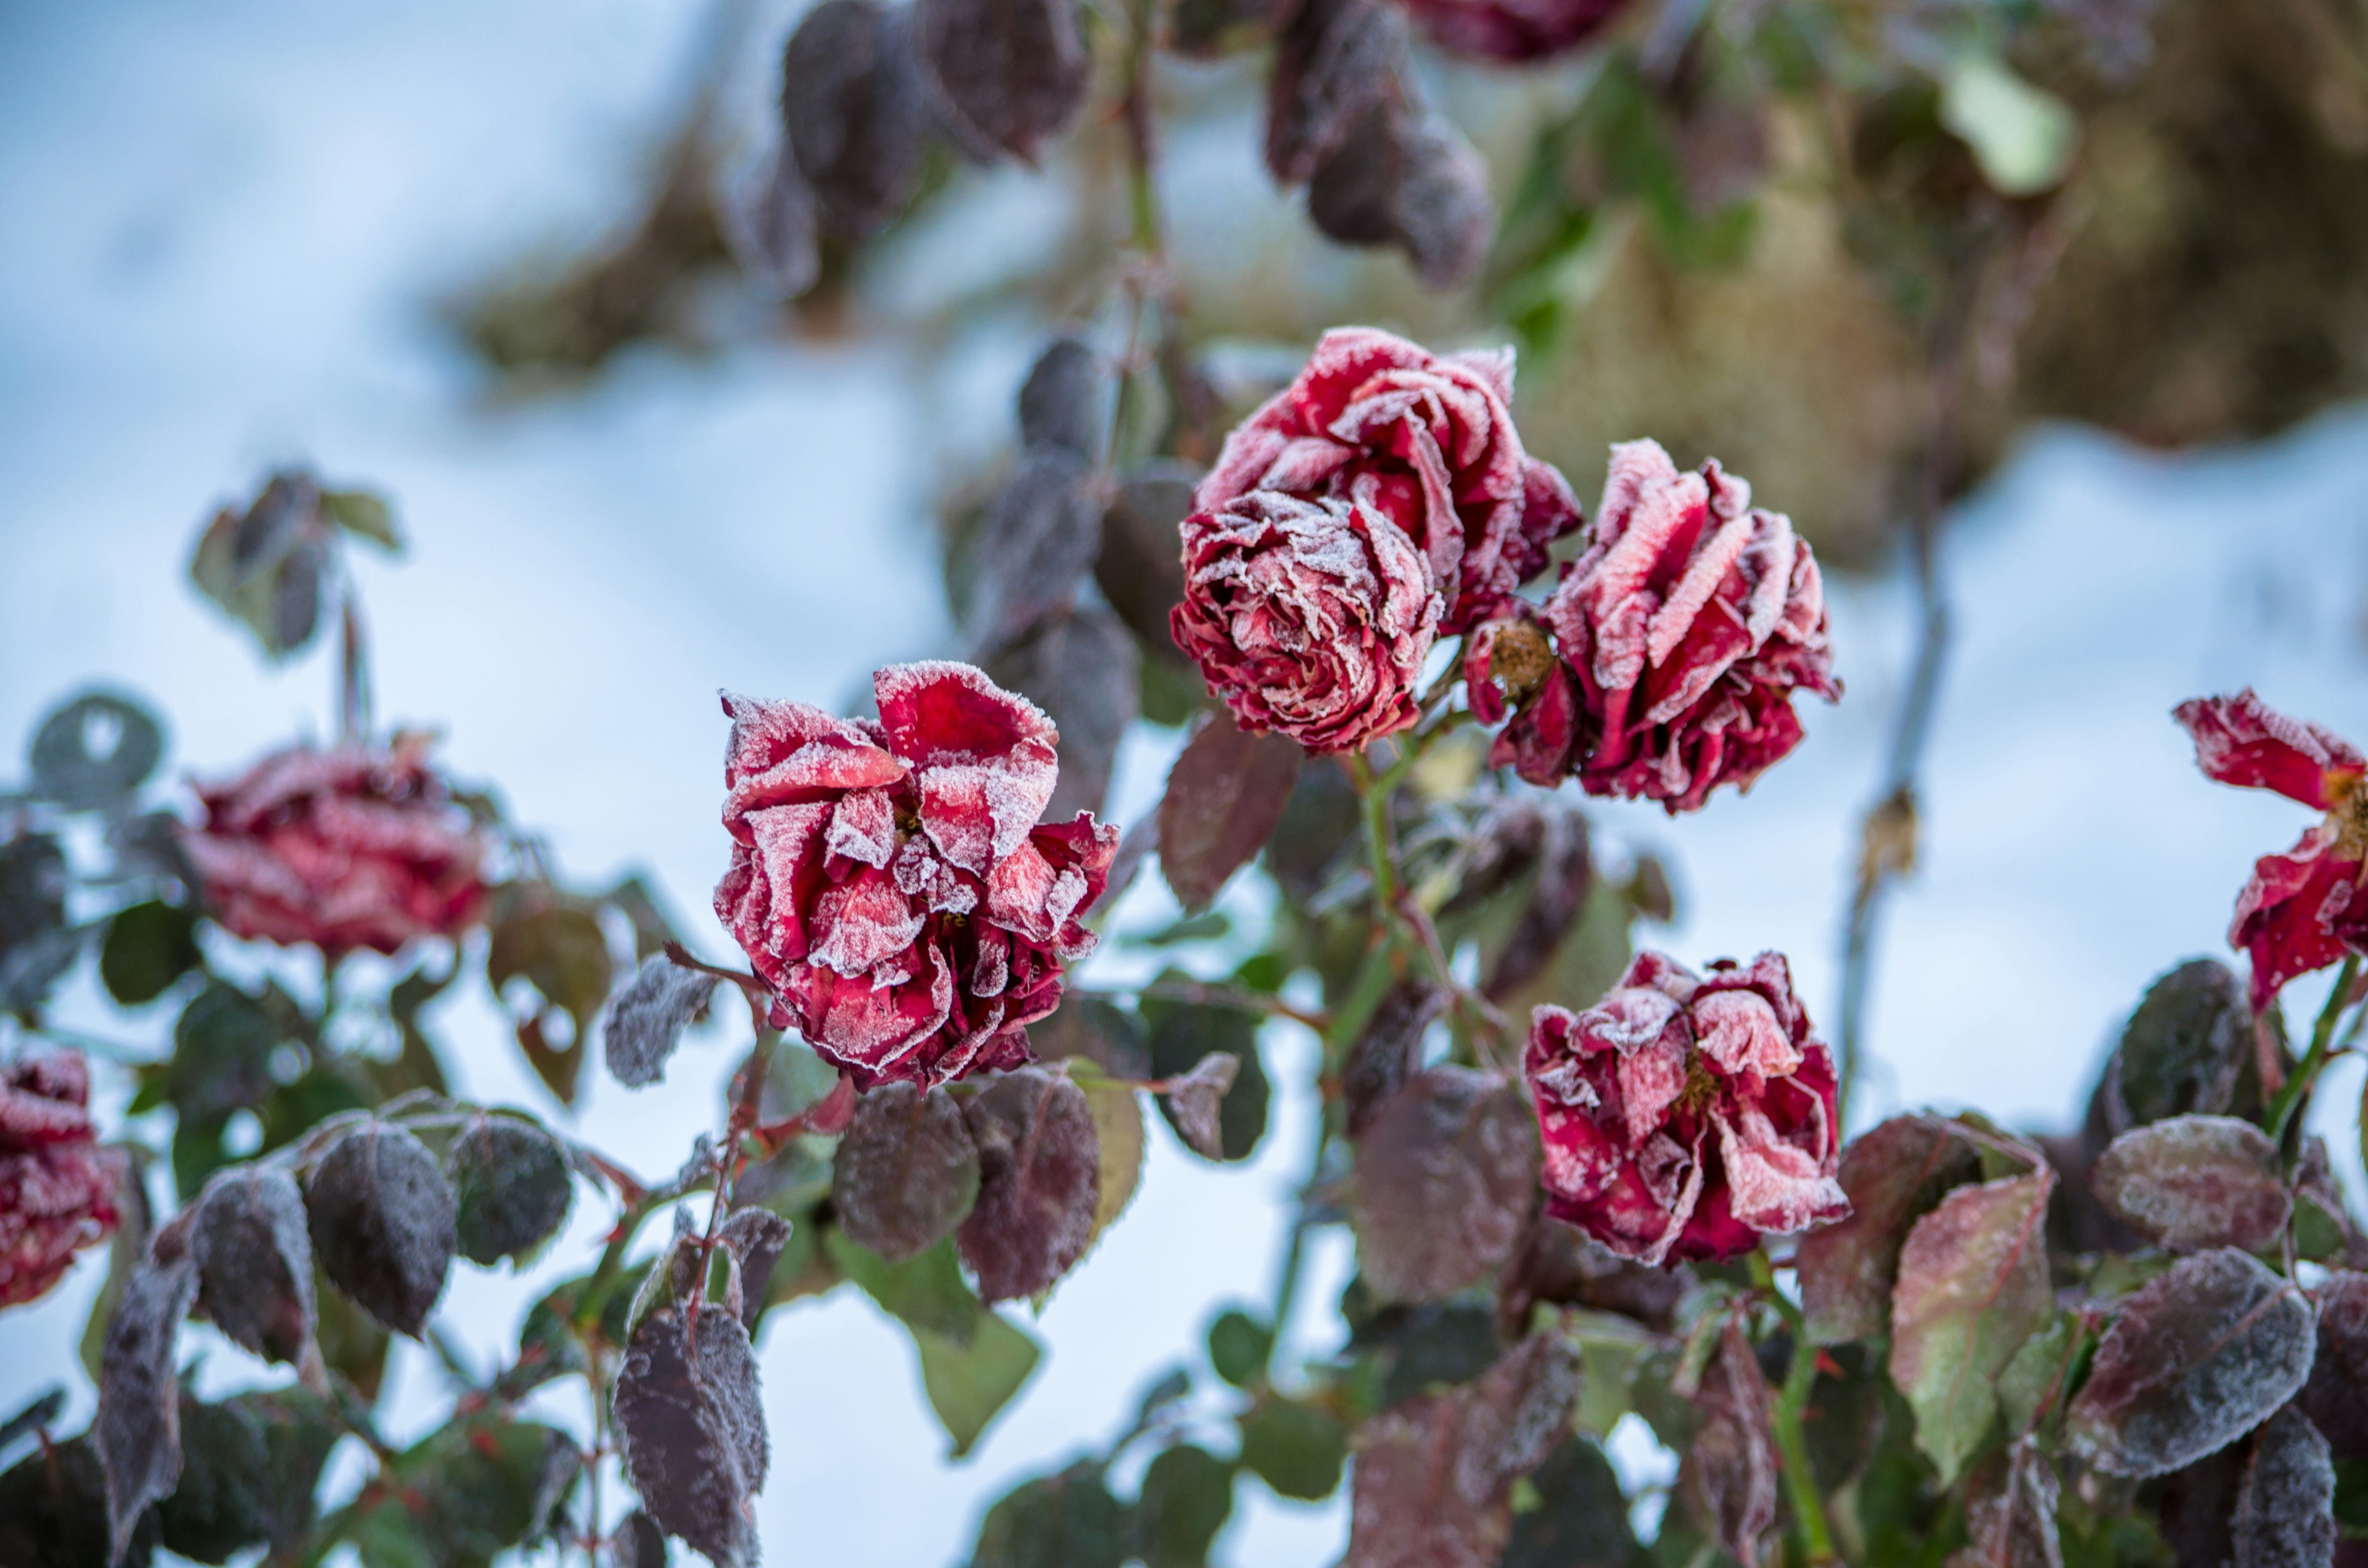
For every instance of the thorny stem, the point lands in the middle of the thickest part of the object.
(2283, 1108)
(1792, 1402)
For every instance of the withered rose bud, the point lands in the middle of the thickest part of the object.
(1684, 1118)
(2303, 910)
(1308, 617)
(890, 879)
(351, 847)
(1512, 31)
(1686, 625)
(1424, 439)
(57, 1185)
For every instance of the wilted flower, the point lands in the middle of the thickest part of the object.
(1512, 31)
(890, 881)
(350, 847)
(1309, 618)
(1683, 1118)
(1686, 625)
(57, 1185)
(2303, 910)
(1427, 440)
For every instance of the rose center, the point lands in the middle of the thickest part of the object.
(1701, 1087)
(1520, 659)
(2347, 814)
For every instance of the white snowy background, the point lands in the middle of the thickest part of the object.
(226, 229)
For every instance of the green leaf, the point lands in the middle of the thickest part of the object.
(1893, 1173)
(1972, 1286)
(925, 1292)
(969, 1384)
(1238, 1347)
(1069, 1520)
(94, 748)
(1297, 1450)
(1117, 1111)
(461, 1496)
(365, 514)
(554, 941)
(148, 947)
(251, 1465)
(53, 1513)
(1187, 1495)
(2022, 137)
(2039, 1375)
(1581, 1520)
(269, 566)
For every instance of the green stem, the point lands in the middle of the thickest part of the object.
(1791, 1403)
(2288, 1101)
(1373, 796)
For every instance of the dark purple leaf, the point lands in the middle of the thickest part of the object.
(2285, 1501)
(2192, 1182)
(1098, 1029)
(1581, 1520)
(1225, 796)
(637, 1543)
(2011, 1515)
(266, 565)
(2197, 1358)
(1559, 1264)
(255, 1260)
(2336, 1398)
(1434, 1475)
(644, 1023)
(1390, 1050)
(1182, 1033)
(138, 1428)
(1203, 29)
(1894, 1173)
(1973, 1286)
(1081, 667)
(512, 1189)
(1031, 552)
(854, 111)
(906, 1172)
(1729, 1477)
(769, 223)
(1061, 402)
(1340, 61)
(691, 1425)
(2183, 1050)
(1040, 1183)
(1565, 872)
(1141, 567)
(1008, 75)
(53, 1513)
(757, 1237)
(384, 1224)
(1195, 1100)
(1444, 1180)
(37, 1417)
(1409, 182)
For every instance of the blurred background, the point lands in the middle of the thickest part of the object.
(463, 254)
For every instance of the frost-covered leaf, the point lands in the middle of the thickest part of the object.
(1339, 60)
(1973, 1286)
(1565, 873)
(1445, 1177)
(906, 1171)
(2336, 1398)
(1186, 1497)
(767, 214)
(1434, 1475)
(1140, 570)
(1389, 1050)
(148, 947)
(384, 1224)
(1729, 1479)
(1581, 1520)
(692, 1427)
(1894, 1173)
(1066, 1520)
(1295, 1447)
(1008, 75)
(138, 1428)
(1061, 401)
(1225, 796)
(2183, 1049)
(1082, 668)
(1034, 547)
(854, 111)
(255, 1260)
(2011, 1515)
(511, 1188)
(1413, 182)
(644, 1023)
(1039, 1179)
(94, 748)
(1195, 1100)
(2190, 1182)
(757, 1237)
(2197, 1358)
(2285, 1515)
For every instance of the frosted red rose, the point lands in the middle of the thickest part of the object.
(890, 881)
(1512, 31)
(2305, 909)
(1308, 617)
(1427, 440)
(1685, 1116)
(1684, 630)
(346, 849)
(57, 1185)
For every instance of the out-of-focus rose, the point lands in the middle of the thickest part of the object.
(351, 847)
(1684, 1118)
(1311, 617)
(890, 881)
(2303, 910)
(1427, 440)
(1512, 31)
(57, 1185)
(1686, 625)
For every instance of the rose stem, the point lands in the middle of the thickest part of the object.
(2283, 1108)
(1800, 1481)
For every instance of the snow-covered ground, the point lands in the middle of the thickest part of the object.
(227, 228)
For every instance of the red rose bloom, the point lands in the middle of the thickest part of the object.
(346, 849)
(1428, 441)
(57, 1185)
(890, 881)
(1684, 1118)
(1309, 618)
(1686, 625)
(2303, 910)
(1511, 30)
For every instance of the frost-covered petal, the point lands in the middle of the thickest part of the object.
(2291, 917)
(984, 758)
(2241, 740)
